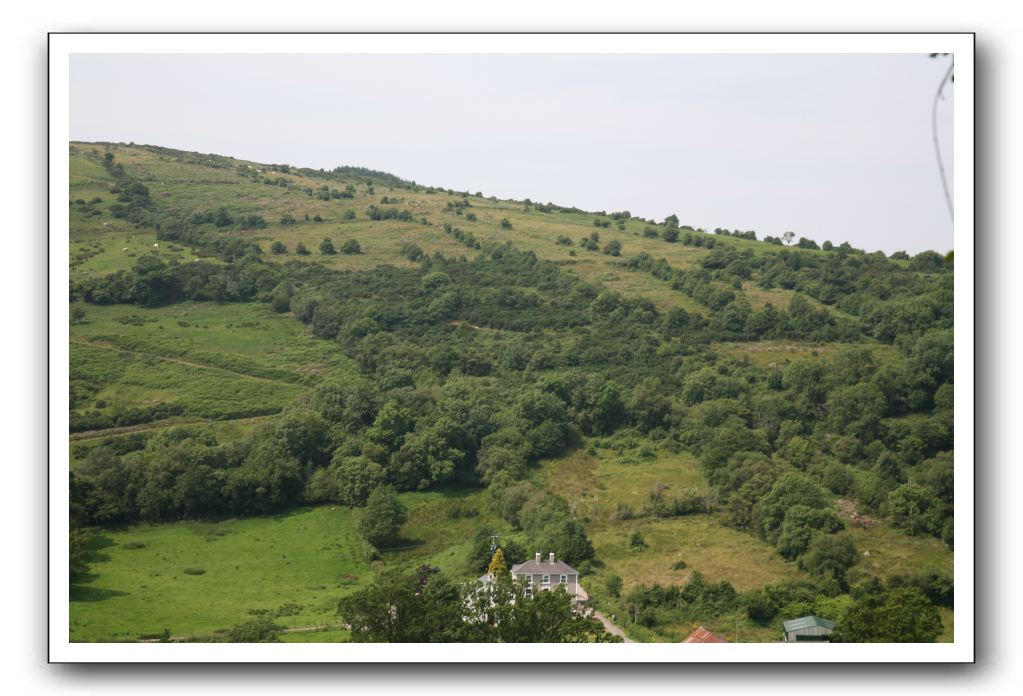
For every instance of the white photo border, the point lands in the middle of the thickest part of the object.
(63, 45)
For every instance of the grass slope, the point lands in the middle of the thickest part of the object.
(216, 361)
(309, 557)
(190, 183)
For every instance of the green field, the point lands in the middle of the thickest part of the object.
(308, 557)
(891, 552)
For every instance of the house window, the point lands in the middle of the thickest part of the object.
(564, 579)
(546, 579)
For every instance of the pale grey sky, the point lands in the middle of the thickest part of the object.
(829, 146)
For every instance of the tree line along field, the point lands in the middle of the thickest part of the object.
(713, 429)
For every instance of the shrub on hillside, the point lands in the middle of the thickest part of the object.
(261, 629)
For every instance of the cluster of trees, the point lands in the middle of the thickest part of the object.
(327, 193)
(375, 213)
(591, 242)
(87, 208)
(152, 282)
(343, 446)
(206, 241)
(796, 517)
(186, 473)
(221, 219)
(889, 303)
(99, 420)
(696, 601)
(458, 207)
(350, 246)
(734, 318)
(466, 238)
(613, 248)
(839, 420)
(673, 235)
(424, 606)
(133, 202)
(412, 251)
(740, 234)
(893, 304)
(904, 610)
(553, 208)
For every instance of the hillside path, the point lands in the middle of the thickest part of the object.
(611, 627)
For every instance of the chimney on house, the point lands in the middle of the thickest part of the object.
(537, 556)
(552, 558)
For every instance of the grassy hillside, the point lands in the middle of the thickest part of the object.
(565, 379)
(303, 560)
(190, 182)
(297, 564)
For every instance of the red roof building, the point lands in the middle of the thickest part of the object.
(702, 635)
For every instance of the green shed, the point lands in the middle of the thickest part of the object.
(808, 628)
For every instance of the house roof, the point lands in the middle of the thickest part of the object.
(544, 567)
(805, 622)
(702, 635)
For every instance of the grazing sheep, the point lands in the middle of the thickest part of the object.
(156, 246)
(124, 249)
